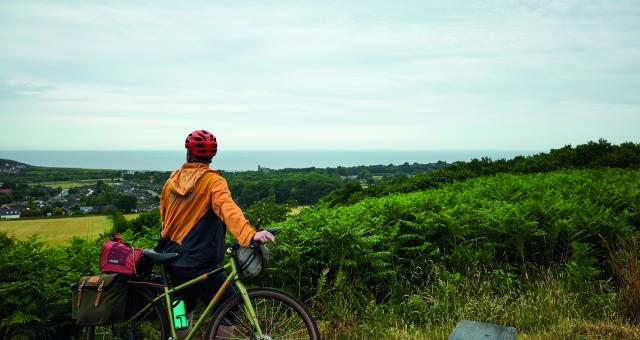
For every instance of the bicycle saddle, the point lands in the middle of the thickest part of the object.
(159, 257)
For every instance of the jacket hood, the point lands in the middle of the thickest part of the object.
(184, 180)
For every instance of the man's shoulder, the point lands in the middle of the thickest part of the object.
(214, 176)
(215, 173)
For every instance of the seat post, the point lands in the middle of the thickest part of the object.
(164, 275)
(167, 298)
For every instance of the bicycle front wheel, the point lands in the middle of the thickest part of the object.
(151, 324)
(280, 316)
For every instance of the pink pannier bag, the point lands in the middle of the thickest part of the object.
(118, 257)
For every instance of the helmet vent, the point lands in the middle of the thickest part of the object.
(201, 143)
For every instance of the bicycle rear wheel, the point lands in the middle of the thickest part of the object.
(280, 315)
(152, 324)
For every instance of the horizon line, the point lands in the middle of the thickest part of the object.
(262, 150)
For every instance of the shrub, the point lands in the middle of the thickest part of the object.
(625, 263)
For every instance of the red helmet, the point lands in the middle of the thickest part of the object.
(201, 143)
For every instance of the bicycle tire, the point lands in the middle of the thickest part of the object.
(281, 316)
(153, 325)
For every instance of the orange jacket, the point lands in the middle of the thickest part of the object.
(187, 196)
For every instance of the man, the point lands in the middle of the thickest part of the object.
(196, 209)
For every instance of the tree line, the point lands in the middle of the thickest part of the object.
(600, 154)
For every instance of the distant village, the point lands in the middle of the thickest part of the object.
(30, 191)
(125, 193)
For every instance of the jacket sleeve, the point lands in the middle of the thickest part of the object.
(227, 210)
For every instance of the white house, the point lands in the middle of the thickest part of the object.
(9, 212)
(87, 209)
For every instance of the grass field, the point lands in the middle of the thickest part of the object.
(72, 184)
(55, 231)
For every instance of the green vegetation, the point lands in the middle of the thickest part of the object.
(287, 186)
(301, 187)
(590, 155)
(503, 220)
(34, 287)
(485, 249)
(518, 243)
(39, 174)
(309, 185)
(267, 211)
(546, 307)
(106, 196)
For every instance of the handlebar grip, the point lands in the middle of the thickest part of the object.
(273, 231)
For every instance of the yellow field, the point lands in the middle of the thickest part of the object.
(56, 231)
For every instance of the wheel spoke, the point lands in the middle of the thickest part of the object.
(279, 316)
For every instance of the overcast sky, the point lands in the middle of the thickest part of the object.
(525, 75)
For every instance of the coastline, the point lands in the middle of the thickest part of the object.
(244, 160)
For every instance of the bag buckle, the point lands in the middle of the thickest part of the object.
(100, 287)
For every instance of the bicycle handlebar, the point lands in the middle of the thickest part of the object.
(273, 231)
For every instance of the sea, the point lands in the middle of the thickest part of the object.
(243, 160)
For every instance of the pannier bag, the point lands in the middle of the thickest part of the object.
(252, 261)
(118, 257)
(98, 300)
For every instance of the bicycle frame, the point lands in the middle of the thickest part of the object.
(232, 277)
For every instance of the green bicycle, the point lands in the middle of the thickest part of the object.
(257, 313)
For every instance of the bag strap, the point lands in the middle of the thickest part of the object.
(264, 253)
(79, 296)
(100, 287)
(248, 261)
(116, 237)
(135, 270)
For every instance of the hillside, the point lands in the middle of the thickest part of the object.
(600, 154)
(489, 249)
(10, 167)
(518, 250)
(16, 172)
(506, 247)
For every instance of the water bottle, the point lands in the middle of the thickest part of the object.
(180, 320)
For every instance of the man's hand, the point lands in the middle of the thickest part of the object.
(264, 236)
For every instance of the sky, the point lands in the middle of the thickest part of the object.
(347, 75)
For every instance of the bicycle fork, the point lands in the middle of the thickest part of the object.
(247, 306)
